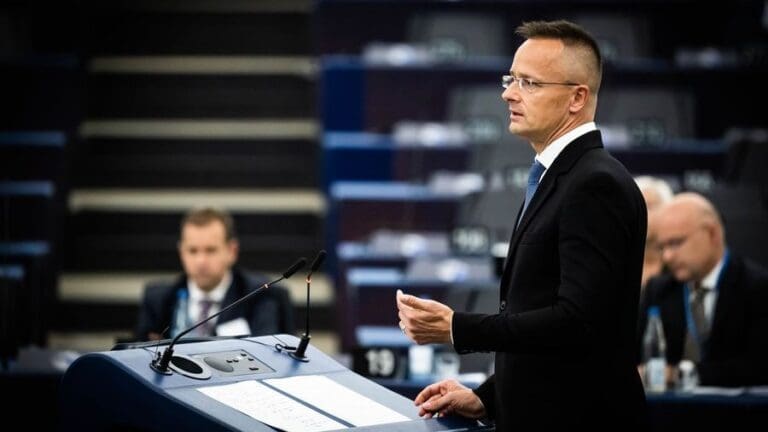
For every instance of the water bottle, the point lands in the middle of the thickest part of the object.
(180, 313)
(654, 352)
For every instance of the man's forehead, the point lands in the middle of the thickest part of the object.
(674, 220)
(207, 230)
(212, 225)
(545, 53)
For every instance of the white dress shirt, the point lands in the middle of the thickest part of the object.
(552, 151)
(709, 284)
(216, 296)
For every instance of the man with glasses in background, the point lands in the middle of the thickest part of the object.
(713, 303)
(565, 328)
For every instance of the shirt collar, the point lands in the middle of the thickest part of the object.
(710, 281)
(549, 154)
(217, 294)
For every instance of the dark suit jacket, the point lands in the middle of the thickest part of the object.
(564, 335)
(736, 353)
(269, 312)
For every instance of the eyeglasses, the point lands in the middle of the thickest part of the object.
(528, 84)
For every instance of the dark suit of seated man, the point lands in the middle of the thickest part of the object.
(714, 304)
(208, 250)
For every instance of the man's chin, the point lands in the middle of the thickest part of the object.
(517, 129)
(205, 284)
(682, 276)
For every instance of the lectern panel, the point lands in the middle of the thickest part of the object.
(117, 390)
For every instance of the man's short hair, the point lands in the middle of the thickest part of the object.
(571, 34)
(206, 215)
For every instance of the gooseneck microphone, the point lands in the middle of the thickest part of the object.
(300, 353)
(161, 363)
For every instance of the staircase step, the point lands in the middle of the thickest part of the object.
(127, 288)
(137, 29)
(200, 96)
(41, 94)
(200, 128)
(266, 201)
(204, 65)
(113, 230)
(204, 163)
(215, 6)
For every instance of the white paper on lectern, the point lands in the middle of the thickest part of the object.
(337, 400)
(271, 407)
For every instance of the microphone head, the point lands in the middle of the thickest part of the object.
(298, 265)
(318, 260)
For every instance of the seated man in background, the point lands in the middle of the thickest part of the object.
(211, 281)
(712, 302)
(656, 193)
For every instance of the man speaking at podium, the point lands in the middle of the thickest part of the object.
(564, 335)
(208, 249)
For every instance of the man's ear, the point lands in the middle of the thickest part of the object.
(234, 249)
(579, 98)
(712, 231)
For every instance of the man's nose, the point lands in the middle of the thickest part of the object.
(511, 93)
(667, 254)
(201, 258)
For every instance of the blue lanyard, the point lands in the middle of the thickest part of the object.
(687, 302)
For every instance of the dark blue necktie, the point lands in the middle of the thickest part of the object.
(533, 183)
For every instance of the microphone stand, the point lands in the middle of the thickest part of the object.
(299, 354)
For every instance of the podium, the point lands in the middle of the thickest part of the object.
(117, 390)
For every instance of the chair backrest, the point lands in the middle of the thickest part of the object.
(649, 115)
(620, 37)
(479, 300)
(458, 35)
(485, 117)
(11, 289)
(502, 158)
(745, 216)
(746, 157)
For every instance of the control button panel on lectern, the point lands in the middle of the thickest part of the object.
(233, 363)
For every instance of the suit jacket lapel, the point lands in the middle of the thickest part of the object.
(725, 294)
(562, 164)
(171, 300)
(234, 293)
